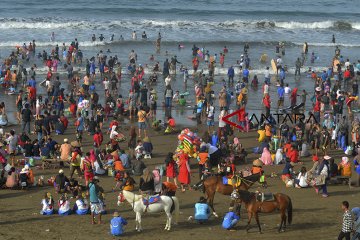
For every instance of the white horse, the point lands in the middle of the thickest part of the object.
(166, 204)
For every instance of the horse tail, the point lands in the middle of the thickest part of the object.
(290, 211)
(176, 206)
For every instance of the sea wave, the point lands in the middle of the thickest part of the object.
(55, 23)
(185, 43)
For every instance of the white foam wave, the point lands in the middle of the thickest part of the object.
(233, 24)
(47, 44)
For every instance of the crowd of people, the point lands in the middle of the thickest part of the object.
(42, 117)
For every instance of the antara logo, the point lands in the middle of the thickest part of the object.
(280, 118)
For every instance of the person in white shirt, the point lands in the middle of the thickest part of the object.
(64, 205)
(210, 111)
(167, 80)
(267, 75)
(48, 205)
(287, 91)
(301, 180)
(347, 63)
(106, 83)
(133, 35)
(81, 206)
(266, 88)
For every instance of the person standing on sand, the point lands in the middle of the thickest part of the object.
(94, 191)
(142, 115)
(184, 170)
(347, 224)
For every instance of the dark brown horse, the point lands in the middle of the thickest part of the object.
(214, 184)
(281, 202)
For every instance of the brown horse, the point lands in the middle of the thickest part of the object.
(214, 184)
(281, 202)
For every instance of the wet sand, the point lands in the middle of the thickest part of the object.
(314, 217)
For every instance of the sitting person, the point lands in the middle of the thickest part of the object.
(257, 167)
(24, 178)
(182, 100)
(81, 206)
(293, 154)
(230, 219)
(148, 147)
(156, 125)
(116, 225)
(74, 187)
(31, 177)
(301, 180)
(202, 211)
(125, 159)
(64, 205)
(11, 180)
(59, 127)
(138, 167)
(127, 183)
(287, 173)
(344, 167)
(61, 183)
(170, 125)
(139, 150)
(279, 156)
(333, 168)
(266, 157)
(48, 205)
(168, 189)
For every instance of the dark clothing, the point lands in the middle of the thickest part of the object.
(26, 115)
(147, 186)
(61, 180)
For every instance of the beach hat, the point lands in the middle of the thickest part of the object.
(66, 140)
(231, 209)
(75, 144)
(61, 171)
(116, 214)
(257, 163)
(318, 89)
(326, 157)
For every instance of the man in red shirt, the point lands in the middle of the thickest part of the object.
(32, 96)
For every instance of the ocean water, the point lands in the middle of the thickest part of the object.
(211, 24)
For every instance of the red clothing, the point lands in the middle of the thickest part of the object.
(171, 122)
(241, 116)
(97, 139)
(266, 101)
(347, 74)
(293, 155)
(170, 170)
(65, 121)
(32, 93)
(184, 174)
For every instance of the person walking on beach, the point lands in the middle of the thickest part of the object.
(347, 223)
(95, 205)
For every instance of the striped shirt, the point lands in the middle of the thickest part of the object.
(347, 222)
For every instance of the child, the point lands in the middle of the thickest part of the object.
(139, 150)
(230, 219)
(81, 206)
(182, 100)
(116, 225)
(170, 125)
(64, 205)
(301, 180)
(202, 211)
(24, 177)
(48, 205)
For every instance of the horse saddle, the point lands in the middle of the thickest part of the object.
(234, 181)
(151, 200)
(265, 197)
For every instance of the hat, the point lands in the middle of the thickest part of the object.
(318, 89)
(326, 157)
(244, 90)
(315, 158)
(231, 209)
(26, 167)
(116, 214)
(66, 140)
(75, 144)
(61, 171)
(153, 91)
(257, 163)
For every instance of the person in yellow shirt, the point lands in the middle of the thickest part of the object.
(142, 115)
